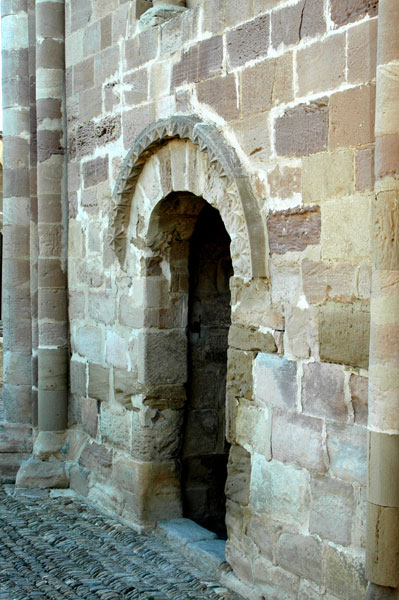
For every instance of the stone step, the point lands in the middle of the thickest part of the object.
(197, 544)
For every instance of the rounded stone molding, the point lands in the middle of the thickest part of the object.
(223, 163)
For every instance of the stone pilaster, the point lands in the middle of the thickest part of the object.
(17, 210)
(52, 232)
(382, 563)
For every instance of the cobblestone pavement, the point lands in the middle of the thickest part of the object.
(62, 548)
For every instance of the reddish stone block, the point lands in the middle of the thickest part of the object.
(303, 130)
(248, 41)
(134, 121)
(347, 11)
(95, 171)
(294, 229)
(323, 393)
(293, 23)
(362, 52)
(221, 95)
(199, 62)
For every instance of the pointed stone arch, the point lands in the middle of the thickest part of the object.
(236, 197)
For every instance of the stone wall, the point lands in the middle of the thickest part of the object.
(290, 86)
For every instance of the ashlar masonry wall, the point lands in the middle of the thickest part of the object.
(290, 87)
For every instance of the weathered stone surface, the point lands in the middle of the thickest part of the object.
(293, 23)
(102, 307)
(158, 433)
(332, 509)
(98, 382)
(300, 554)
(325, 281)
(249, 338)
(364, 169)
(323, 393)
(116, 350)
(116, 427)
(347, 11)
(15, 438)
(248, 41)
(260, 531)
(284, 182)
(253, 136)
(89, 343)
(344, 333)
(281, 491)
(293, 229)
(35, 473)
(327, 175)
(274, 581)
(10, 463)
(238, 475)
(95, 171)
(275, 382)
(340, 238)
(321, 66)
(345, 573)
(301, 332)
(358, 386)
(48, 443)
(266, 84)
(253, 427)
(297, 438)
(162, 357)
(221, 95)
(239, 373)
(96, 457)
(238, 562)
(199, 62)
(347, 450)
(352, 115)
(303, 130)
(362, 52)
(285, 281)
(134, 120)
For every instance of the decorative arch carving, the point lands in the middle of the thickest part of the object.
(222, 157)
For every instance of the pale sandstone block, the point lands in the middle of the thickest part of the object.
(286, 280)
(275, 382)
(327, 175)
(297, 439)
(253, 428)
(300, 554)
(301, 332)
(102, 307)
(266, 84)
(274, 580)
(322, 281)
(77, 376)
(364, 169)
(284, 182)
(239, 373)
(252, 304)
(238, 475)
(321, 66)
(249, 338)
(116, 427)
(89, 343)
(352, 115)
(341, 236)
(345, 333)
(116, 350)
(98, 382)
(89, 414)
(281, 491)
(253, 136)
(347, 449)
(293, 23)
(332, 510)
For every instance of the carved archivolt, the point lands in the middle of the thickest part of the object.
(239, 208)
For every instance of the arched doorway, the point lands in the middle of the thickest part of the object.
(205, 449)
(175, 169)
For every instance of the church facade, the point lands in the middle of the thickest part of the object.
(201, 275)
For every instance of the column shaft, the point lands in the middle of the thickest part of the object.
(16, 214)
(382, 561)
(52, 231)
